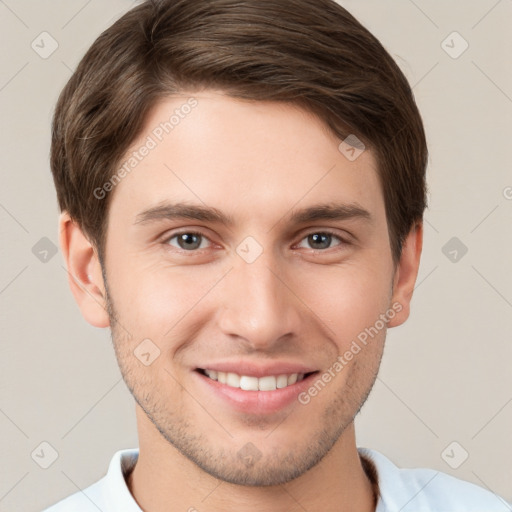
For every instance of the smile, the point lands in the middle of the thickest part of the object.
(251, 383)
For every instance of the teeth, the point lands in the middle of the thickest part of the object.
(212, 374)
(267, 383)
(247, 383)
(233, 380)
(282, 381)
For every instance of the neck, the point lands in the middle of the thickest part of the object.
(163, 477)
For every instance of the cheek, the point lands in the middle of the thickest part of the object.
(153, 298)
(347, 298)
(158, 308)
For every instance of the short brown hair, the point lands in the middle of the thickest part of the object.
(311, 53)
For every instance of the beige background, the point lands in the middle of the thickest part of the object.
(446, 373)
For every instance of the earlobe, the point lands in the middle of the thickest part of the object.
(406, 274)
(84, 272)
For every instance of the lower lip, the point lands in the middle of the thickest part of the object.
(256, 402)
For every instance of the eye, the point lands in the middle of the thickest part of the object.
(188, 241)
(321, 240)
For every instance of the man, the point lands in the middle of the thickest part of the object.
(242, 186)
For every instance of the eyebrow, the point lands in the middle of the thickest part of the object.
(331, 211)
(325, 211)
(169, 211)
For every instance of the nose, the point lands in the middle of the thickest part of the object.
(258, 306)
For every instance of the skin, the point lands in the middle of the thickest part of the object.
(298, 301)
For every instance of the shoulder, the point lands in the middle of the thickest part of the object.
(425, 490)
(90, 499)
(109, 493)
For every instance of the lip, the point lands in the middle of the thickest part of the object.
(258, 370)
(255, 402)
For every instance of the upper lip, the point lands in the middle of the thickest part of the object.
(253, 369)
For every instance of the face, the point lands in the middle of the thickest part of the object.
(245, 257)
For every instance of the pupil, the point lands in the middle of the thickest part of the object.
(322, 239)
(189, 241)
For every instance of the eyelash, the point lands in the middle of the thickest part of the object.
(326, 232)
(203, 236)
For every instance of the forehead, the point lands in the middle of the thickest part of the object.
(241, 157)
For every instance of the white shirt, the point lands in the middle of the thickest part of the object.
(401, 490)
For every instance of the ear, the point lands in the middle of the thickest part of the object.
(406, 273)
(84, 272)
